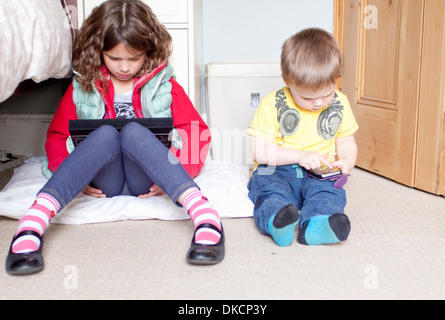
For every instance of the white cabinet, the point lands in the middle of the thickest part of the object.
(182, 18)
(170, 11)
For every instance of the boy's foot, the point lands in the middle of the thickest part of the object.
(324, 230)
(282, 226)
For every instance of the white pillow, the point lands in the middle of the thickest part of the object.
(224, 184)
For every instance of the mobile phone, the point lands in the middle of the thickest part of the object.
(325, 173)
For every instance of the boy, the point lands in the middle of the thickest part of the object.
(305, 125)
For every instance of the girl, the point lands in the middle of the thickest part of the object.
(120, 61)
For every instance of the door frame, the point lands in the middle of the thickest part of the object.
(338, 28)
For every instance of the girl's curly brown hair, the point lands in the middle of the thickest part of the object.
(130, 22)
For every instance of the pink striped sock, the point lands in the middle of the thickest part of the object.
(37, 219)
(201, 211)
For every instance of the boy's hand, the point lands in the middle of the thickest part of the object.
(345, 165)
(347, 154)
(313, 160)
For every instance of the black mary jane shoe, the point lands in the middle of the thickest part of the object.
(204, 254)
(25, 263)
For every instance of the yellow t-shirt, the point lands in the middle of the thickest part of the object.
(280, 120)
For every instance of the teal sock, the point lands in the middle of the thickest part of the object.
(324, 230)
(282, 225)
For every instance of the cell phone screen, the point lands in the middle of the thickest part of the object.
(324, 172)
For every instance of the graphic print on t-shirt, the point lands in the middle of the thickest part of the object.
(123, 105)
(330, 119)
(124, 110)
(288, 118)
(328, 123)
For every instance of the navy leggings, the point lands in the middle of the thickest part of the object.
(126, 162)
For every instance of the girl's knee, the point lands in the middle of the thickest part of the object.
(134, 132)
(106, 134)
(105, 138)
(132, 128)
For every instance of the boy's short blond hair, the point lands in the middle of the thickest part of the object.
(311, 59)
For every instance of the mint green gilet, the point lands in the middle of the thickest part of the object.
(156, 100)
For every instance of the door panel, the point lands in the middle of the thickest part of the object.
(379, 50)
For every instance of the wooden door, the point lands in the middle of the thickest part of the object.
(382, 46)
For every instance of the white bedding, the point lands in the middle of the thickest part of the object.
(224, 184)
(35, 43)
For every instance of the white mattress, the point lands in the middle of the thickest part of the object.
(35, 43)
(224, 184)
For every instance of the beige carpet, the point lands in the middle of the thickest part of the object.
(396, 250)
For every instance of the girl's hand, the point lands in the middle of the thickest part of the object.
(154, 191)
(90, 191)
(313, 160)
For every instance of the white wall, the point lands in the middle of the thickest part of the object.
(257, 28)
(233, 29)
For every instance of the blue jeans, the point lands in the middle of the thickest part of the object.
(273, 188)
(126, 162)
